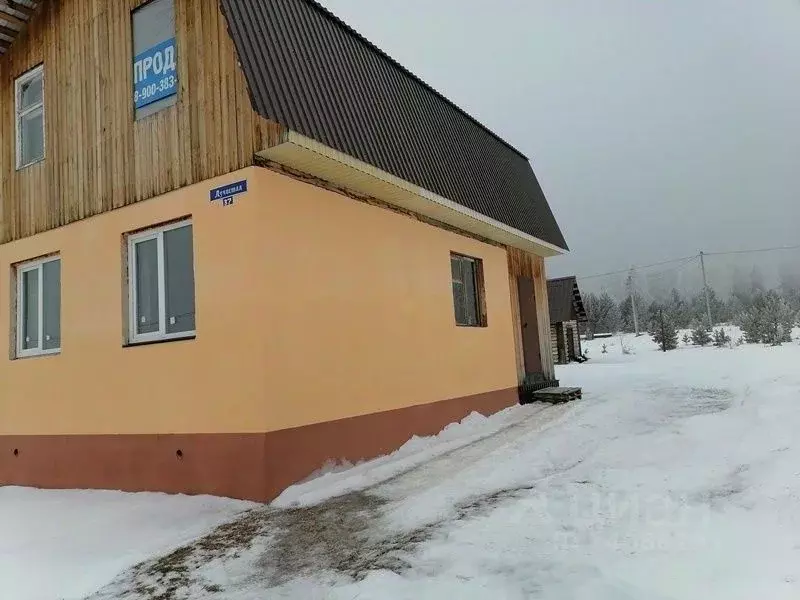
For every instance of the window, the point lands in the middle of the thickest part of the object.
(161, 283)
(468, 290)
(39, 307)
(155, 75)
(29, 92)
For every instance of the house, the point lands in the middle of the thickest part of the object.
(239, 241)
(566, 315)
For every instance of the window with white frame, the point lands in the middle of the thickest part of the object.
(29, 93)
(39, 307)
(161, 283)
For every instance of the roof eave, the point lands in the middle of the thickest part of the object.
(14, 19)
(306, 155)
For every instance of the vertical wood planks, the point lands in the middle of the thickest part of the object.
(524, 264)
(97, 157)
(543, 315)
(516, 317)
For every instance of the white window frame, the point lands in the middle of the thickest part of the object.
(19, 113)
(21, 269)
(156, 233)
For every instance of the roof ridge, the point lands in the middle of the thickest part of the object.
(351, 30)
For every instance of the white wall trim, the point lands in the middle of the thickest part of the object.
(301, 141)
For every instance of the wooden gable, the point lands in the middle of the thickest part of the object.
(97, 156)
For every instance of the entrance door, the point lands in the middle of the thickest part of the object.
(530, 326)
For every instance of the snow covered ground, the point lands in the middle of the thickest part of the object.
(67, 544)
(676, 477)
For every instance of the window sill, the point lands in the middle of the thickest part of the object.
(477, 326)
(168, 340)
(41, 354)
(30, 164)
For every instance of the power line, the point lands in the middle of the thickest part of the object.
(753, 251)
(658, 264)
(688, 259)
(651, 276)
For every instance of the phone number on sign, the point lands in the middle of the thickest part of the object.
(148, 91)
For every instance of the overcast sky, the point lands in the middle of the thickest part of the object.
(656, 127)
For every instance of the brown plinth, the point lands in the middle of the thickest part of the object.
(253, 466)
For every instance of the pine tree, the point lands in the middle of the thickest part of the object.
(750, 323)
(602, 314)
(686, 339)
(700, 335)
(663, 331)
(721, 339)
(769, 319)
(777, 319)
(751, 320)
(679, 309)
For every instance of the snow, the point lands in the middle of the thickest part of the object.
(335, 480)
(677, 476)
(67, 544)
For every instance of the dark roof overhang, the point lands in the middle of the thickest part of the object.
(564, 298)
(14, 18)
(322, 81)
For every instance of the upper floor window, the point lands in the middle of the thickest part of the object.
(468, 293)
(29, 92)
(155, 72)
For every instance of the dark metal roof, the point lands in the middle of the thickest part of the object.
(309, 71)
(565, 300)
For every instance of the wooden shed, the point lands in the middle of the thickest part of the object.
(566, 312)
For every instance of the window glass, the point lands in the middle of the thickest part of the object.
(39, 307)
(31, 92)
(470, 292)
(30, 117)
(162, 289)
(147, 305)
(51, 284)
(458, 289)
(30, 309)
(179, 275)
(466, 291)
(31, 137)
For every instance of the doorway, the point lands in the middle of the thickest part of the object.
(530, 326)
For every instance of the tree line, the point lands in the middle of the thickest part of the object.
(764, 315)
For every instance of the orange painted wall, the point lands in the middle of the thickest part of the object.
(310, 307)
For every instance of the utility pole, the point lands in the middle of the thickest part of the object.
(632, 292)
(705, 288)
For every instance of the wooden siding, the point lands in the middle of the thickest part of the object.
(524, 264)
(517, 321)
(97, 158)
(568, 328)
(554, 341)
